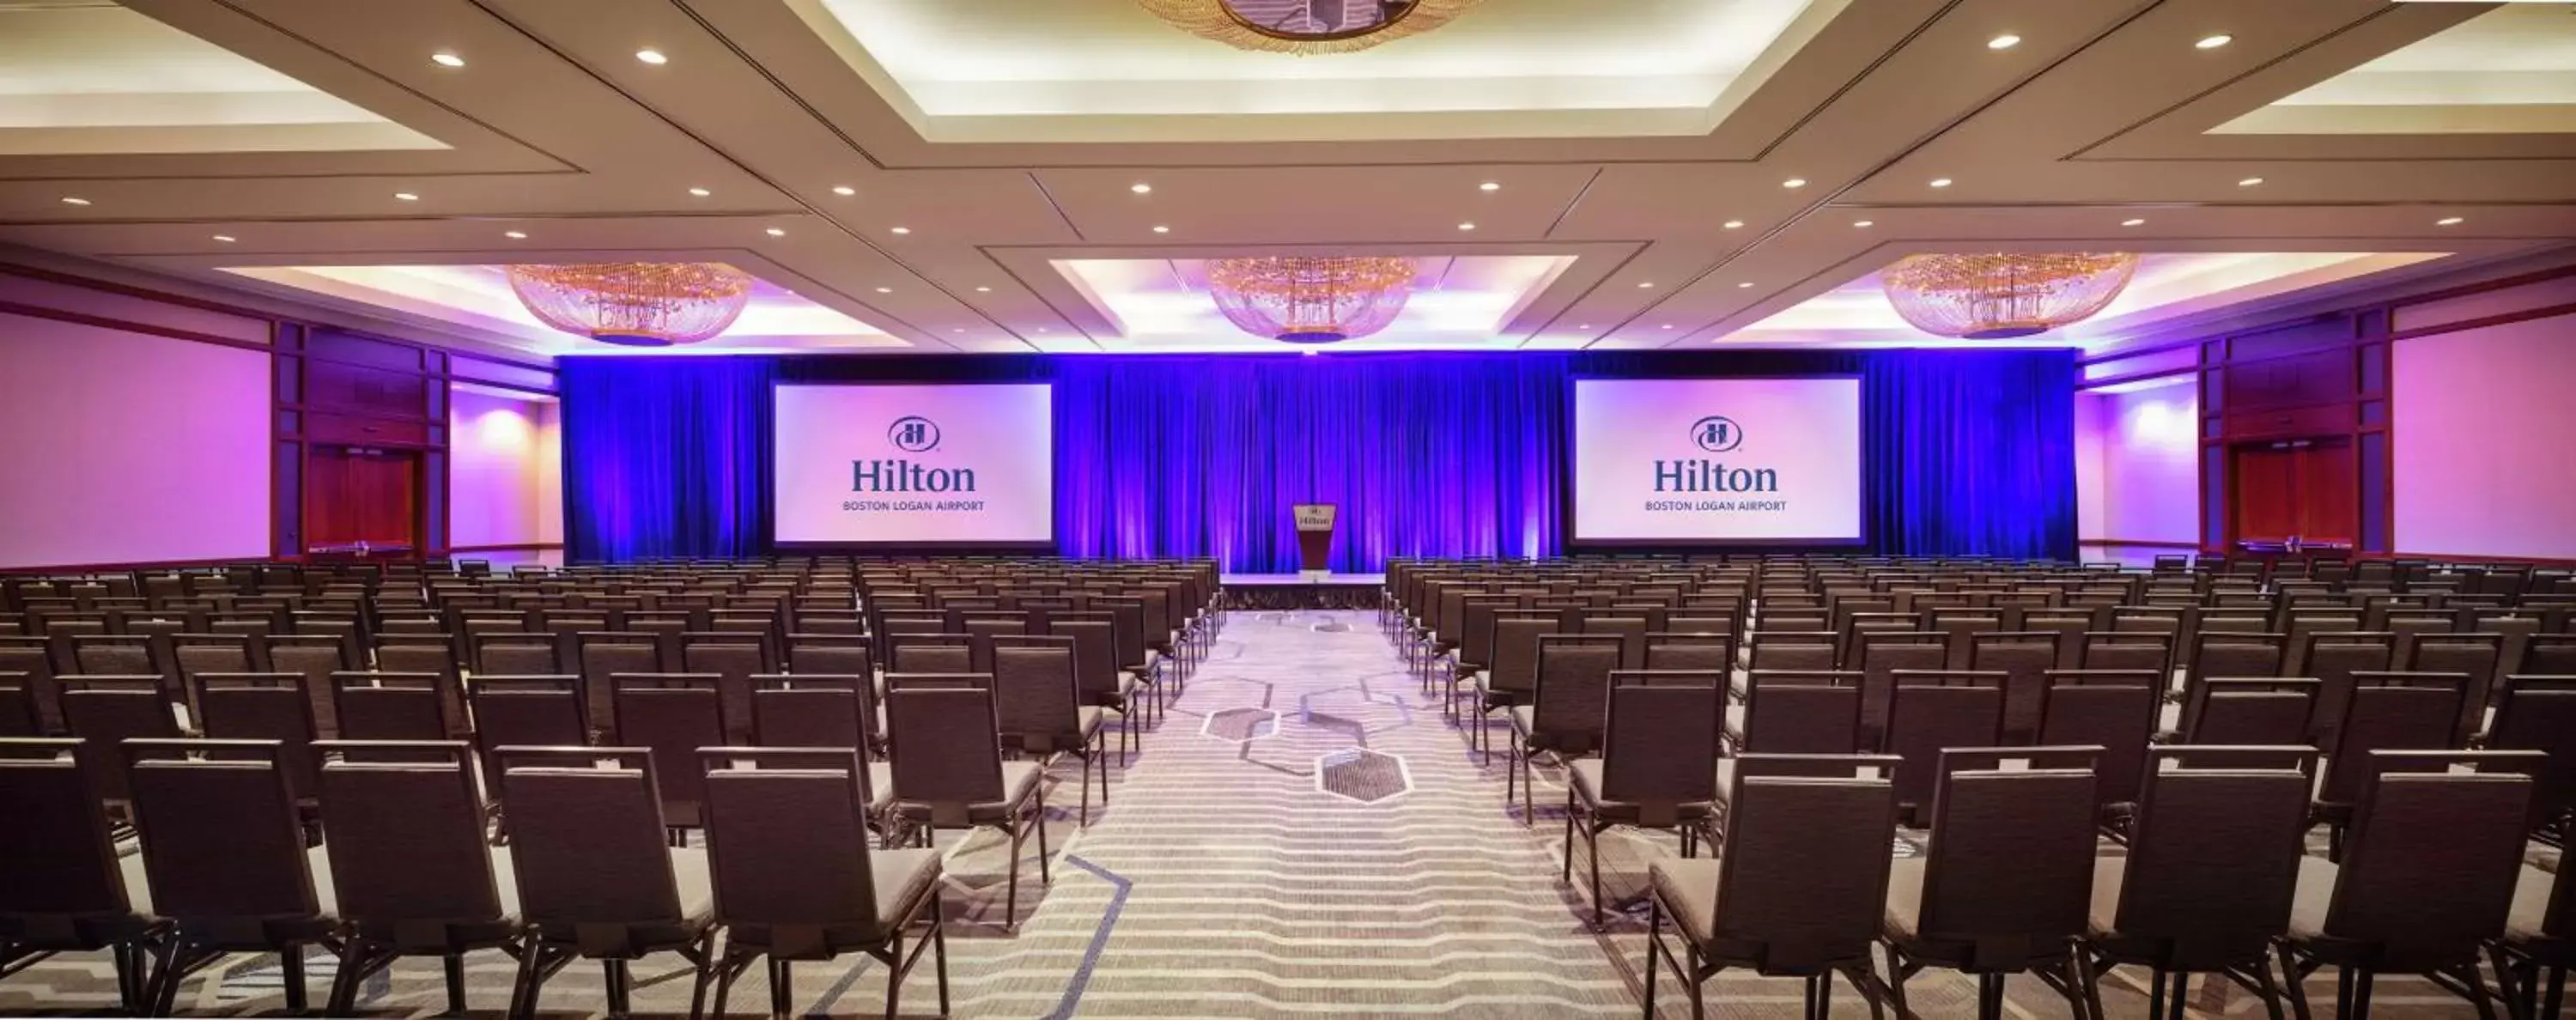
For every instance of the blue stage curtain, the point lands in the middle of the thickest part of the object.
(666, 457)
(1969, 452)
(1192, 456)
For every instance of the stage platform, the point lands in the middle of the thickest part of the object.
(1298, 591)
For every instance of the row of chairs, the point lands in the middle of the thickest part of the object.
(789, 872)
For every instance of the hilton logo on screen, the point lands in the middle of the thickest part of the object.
(910, 434)
(1713, 434)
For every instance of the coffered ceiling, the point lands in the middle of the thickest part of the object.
(1040, 175)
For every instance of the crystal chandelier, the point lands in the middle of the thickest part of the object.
(639, 304)
(1306, 27)
(1311, 300)
(2000, 296)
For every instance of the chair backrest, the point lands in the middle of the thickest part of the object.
(2550, 655)
(945, 741)
(2390, 712)
(1036, 701)
(1804, 875)
(28, 656)
(1934, 710)
(813, 710)
(2023, 657)
(2129, 649)
(2472, 655)
(526, 711)
(2213, 861)
(673, 715)
(1629, 629)
(2250, 711)
(733, 659)
(1801, 712)
(2009, 865)
(1573, 694)
(2112, 709)
(1095, 656)
(192, 654)
(2429, 869)
(1514, 662)
(834, 654)
(107, 711)
(605, 654)
(1678, 650)
(221, 838)
(391, 706)
(1884, 653)
(787, 841)
(19, 716)
(406, 838)
(587, 840)
(931, 653)
(1660, 740)
(58, 862)
(262, 706)
(434, 655)
(2331, 658)
(1787, 649)
(516, 653)
(2538, 713)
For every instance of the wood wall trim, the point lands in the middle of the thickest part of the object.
(138, 565)
(125, 325)
(2482, 322)
(2140, 543)
(507, 547)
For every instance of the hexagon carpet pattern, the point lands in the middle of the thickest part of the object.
(1305, 836)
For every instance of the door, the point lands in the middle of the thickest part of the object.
(2302, 488)
(355, 495)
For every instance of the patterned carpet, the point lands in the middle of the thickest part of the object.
(1304, 836)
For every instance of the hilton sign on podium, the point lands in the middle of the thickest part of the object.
(1314, 537)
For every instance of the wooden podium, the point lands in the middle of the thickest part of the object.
(1314, 537)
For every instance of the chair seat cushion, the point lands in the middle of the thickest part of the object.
(1688, 887)
(694, 889)
(1586, 776)
(1524, 719)
(1905, 898)
(1019, 780)
(2315, 894)
(2522, 925)
(2109, 871)
(902, 878)
(1087, 719)
(1735, 715)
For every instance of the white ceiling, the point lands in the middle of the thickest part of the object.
(2097, 131)
(1458, 303)
(2512, 69)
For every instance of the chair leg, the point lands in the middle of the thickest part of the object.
(781, 996)
(2268, 989)
(2088, 985)
(2294, 983)
(2476, 983)
(1990, 997)
(1691, 977)
(2181, 992)
(2556, 997)
(161, 991)
(1654, 931)
(1011, 886)
(1037, 820)
(939, 947)
(1859, 975)
(894, 975)
(1592, 852)
(620, 985)
(1529, 784)
(455, 967)
(726, 972)
(290, 964)
(130, 970)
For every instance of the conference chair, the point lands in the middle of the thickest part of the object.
(945, 737)
(128, 655)
(1931, 711)
(1882, 655)
(409, 872)
(2271, 711)
(2472, 655)
(1660, 735)
(63, 888)
(2427, 879)
(595, 876)
(2538, 713)
(524, 711)
(1512, 676)
(2384, 712)
(831, 712)
(1795, 887)
(2024, 658)
(2130, 649)
(516, 653)
(2538, 946)
(391, 706)
(433, 655)
(2550, 655)
(1566, 709)
(26, 656)
(1797, 712)
(224, 853)
(1095, 670)
(2332, 658)
(2068, 625)
(107, 711)
(2111, 709)
(18, 713)
(672, 715)
(932, 653)
(605, 654)
(1039, 709)
(266, 707)
(2209, 874)
(795, 878)
(1785, 649)
(2006, 877)
(2301, 627)
(733, 658)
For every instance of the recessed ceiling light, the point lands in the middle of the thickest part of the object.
(1794, 182)
(1668, 325)
(443, 58)
(2249, 182)
(1161, 229)
(1490, 186)
(2133, 223)
(406, 196)
(1940, 182)
(225, 238)
(651, 57)
(844, 190)
(957, 331)
(1141, 188)
(2003, 42)
(514, 235)
(777, 232)
(700, 192)
(1041, 329)
(1466, 226)
(885, 290)
(1584, 326)
(2449, 221)
(1864, 223)
(983, 290)
(1645, 285)
(1733, 224)
(74, 200)
(903, 230)
(2214, 41)
(1744, 284)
